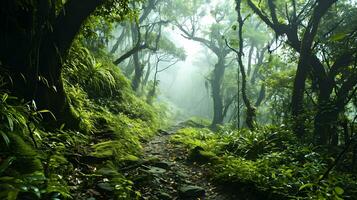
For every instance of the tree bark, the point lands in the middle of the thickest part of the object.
(138, 69)
(216, 84)
(250, 118)
(250, 55)
(34, 53)
(148, 71)
(304, 67)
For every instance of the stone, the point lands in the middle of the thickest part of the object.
(191, 192)
(199, 155)
(163, 132)
(163, 164)
(130, 160)
(156, 170)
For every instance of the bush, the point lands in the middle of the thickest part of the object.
(268, 163)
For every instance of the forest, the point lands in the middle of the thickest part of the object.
(178, 99)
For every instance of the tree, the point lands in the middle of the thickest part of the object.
(332, 92)
(216, 44)
(151, 21)
(35, 41)
(251, 39)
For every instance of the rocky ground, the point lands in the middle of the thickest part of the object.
(165, 174)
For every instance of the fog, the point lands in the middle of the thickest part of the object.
(183, 85)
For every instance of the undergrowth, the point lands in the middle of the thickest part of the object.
(268, 163)
(75, 164)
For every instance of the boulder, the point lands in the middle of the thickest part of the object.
(191, 192)
(163, 164)
(199, 155)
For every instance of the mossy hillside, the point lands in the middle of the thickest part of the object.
(265, 163)
(66, 164)
(110, 112)
(95, 84)
(102, 98)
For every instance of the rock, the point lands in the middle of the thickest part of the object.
(156, 170)
(130, 160)
(164, 196)
(152, 159)
(141, 180)
(199, 155)
(163, 164)
(163, 132)
(191, 192)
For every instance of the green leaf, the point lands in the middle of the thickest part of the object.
(62, 127)
(339, 190)
(6, 139)
(338, 36)
(4, 97)
(11, 123)
(44, 111)
(308, 185)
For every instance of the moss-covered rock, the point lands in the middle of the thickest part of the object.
(199, 155)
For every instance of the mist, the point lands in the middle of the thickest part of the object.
(183, 85)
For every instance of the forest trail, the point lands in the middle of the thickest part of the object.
(168, 175)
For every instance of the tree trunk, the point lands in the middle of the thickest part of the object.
(325, 124)
(152, 91)
(216, 84)
(261, 95)
(138, 72)
(250, 118)
(34, 53)
(250, 55)
(138, 69)
(304, 68)
(148, 72)
(297, 99)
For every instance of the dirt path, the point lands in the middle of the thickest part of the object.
(167, 174)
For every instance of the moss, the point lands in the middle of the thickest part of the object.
(199, 155)
(105, 149)
(27, 160)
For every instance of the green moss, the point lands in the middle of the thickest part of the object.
(105, 149)
(199, 155)
(27, 160)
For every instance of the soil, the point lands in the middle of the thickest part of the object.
(166, 173)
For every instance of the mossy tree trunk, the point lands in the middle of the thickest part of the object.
(216, 85)
(34, 43)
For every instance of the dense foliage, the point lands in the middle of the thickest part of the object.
(268, 163)
(62, 164)
(269, 88)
